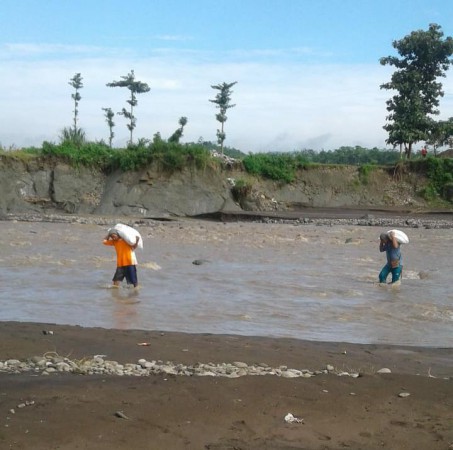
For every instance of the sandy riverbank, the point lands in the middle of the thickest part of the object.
(69, 411)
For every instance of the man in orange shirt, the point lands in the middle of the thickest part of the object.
(126, 261)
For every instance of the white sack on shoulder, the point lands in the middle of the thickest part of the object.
(128, 233)
(401, 236)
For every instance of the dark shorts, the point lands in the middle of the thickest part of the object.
(128, 272)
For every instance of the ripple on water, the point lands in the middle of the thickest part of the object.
(300, 281)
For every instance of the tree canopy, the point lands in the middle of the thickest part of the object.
(424, 57)
(135, 87)
(77, 84)
(222, 101)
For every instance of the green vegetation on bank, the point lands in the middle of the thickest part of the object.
(440, 173)
(167, 156)
(281, 167)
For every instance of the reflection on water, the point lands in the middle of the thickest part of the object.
(302, 281)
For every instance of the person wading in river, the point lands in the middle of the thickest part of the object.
(394, 265)
(126, 261)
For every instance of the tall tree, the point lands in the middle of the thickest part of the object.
(109, 115)
(222, 102)
(424, 57)
(177, 135)
(76, 83)
(135, 87)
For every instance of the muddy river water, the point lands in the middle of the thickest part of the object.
(302, 281)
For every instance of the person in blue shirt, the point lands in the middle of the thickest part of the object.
(394, 265)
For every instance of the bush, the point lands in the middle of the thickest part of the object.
(429, 193)
(241, 190)
(133, 157)
(364, 172)
(448, 192)
(275, 166)
(168, 157)
(440, 174)
(171, 156)
(74, 136)
(89, 154)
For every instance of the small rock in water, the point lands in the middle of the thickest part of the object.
(199, 262)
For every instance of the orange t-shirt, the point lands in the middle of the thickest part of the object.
(125, 255)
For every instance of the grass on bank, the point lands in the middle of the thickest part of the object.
(168, 157)
(281, 167)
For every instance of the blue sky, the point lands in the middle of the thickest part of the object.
(307, 71)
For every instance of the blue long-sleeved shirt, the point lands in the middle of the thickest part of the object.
(392, 252)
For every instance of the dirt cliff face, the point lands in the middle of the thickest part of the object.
(45, 184)
(48, 185)
(336, 187)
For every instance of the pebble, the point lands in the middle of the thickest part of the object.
(368, 220)
(121, 415)
(54, 365)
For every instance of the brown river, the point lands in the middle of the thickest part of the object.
(283, 280)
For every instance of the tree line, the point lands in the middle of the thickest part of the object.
(76, 134)
(424, 58)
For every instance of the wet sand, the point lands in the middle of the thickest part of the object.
(69, 411)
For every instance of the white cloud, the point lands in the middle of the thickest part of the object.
(173, 38)
(279, 107)
(33, 50)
